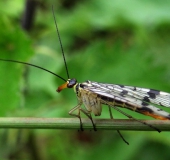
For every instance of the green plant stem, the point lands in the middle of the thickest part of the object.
(73, 123)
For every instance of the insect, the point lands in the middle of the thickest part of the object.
(93, 95)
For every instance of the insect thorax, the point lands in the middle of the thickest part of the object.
(78, 87)
(89, 99)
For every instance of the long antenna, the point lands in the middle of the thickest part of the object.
(9, 60)
(62, 50)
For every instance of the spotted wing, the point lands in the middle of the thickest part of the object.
(133, 98)
(143, 94)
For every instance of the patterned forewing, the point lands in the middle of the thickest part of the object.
(128, 97)
(143, 94)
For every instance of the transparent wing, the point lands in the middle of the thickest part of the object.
(133, 98)
(143, 94)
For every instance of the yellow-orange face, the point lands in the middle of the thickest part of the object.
(69, 84)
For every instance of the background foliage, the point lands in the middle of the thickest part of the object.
(124, 42)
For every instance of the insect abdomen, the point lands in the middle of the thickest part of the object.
(148, 110)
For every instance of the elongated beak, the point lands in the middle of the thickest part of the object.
(62, 87)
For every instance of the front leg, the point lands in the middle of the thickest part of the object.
(78, 107)
(90, 117)
(77, 115)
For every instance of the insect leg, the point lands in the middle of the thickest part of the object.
(127, 115)
(111, 117)
(77, 115)
(90, 117)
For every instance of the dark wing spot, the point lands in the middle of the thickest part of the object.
(144, 104)
(134, 88)
(145, 101)
(123, 93)
(152, 93)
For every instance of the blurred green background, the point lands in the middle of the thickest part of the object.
(121, 42)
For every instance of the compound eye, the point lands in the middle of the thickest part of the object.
(71, 83)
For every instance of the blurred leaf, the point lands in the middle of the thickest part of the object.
(14, 45)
